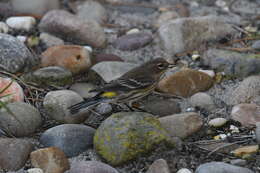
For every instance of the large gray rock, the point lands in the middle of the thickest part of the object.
(24, 120)
(202, 100)
(72, 139)
(125, 135)
(14, 153)
(91, 167)
(112, 70)
(234, 64)
(221, 167)
(71, 28)
(14, 55)
(56, 104)
(185, 34)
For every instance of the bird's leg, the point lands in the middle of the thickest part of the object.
(129, 107)
(137, 107)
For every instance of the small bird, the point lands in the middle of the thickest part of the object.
(130, 87)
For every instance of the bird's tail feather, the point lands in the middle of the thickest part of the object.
(84, 104)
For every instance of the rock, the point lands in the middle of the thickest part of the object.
(49, 76)
(185, 83)
(24, 120)
(14, 55)
(50, 40)
(159, 166)
(83, 89)
(221, 167)
(22, 38)
(177, 36)
(161, 106)
(14, 91)
(217, 122)
(182, 125)
(232, 63)
(202, 100)
(246, 114)
(245, 8)
(72, 139)
(70, 28)
(35, 170)
(166, 17)
(256, 45)
(92, 10)
(56, 104)
(133, 31)
(125, 135)
(21, 23)
(184, 170)
(106, 57)
(238, 162)
(124, 8)
(50, 160)
(246, 92)
(133, 41)
(4, 28)
(91, 167)
(246, 152)
(74, 58)
(38, 7)
(112, 70)
(14, 153)
(257, 132)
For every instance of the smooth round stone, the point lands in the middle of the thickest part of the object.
(24, 120)
(202, 100)
(73, 29)
(157, 166)
(91, 167)
(38, 7)
(15, 56)
(4, 28)
(112, 70)
(21, 23)
(50, 40)
(48, 76)
(184, 170)
(221, 167)
(72, 139)
(217, 122)
(211, 73)
(35, 170)
(14, 91)
(56, 104)
(133, 31)
(14, 153)
(92, 10)
(238, 162)
(182, 125)
(50, 160)
(133, 41)
(83, 89)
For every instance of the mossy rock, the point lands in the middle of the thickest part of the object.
(126, 135)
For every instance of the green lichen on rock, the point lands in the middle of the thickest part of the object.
(125, 135)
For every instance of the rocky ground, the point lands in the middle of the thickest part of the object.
(203, 117)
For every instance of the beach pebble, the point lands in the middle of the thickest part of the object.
(4, 28)
(21, 23)
(157, 166)
(50, 40)
(217, 122)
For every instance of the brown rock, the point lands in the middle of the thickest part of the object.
(182, 125)
(246, 114)
(74, 58)
(246, 151)
(71, 28)
(14, 153)
(185, 83)
(14, 91)
(50, 160)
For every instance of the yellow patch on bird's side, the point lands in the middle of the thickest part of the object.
(109, 94)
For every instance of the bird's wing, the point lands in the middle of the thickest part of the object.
(126, 84)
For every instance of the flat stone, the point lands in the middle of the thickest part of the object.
(159, 166)
(72, 139)
(21, 23)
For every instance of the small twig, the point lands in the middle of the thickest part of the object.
(242, 49)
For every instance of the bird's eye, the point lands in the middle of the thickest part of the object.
(160, 66)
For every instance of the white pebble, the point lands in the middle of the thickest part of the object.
(184, 170)
(211, 73)
(220, 3)
(217, 122)
(222, 136)
(35, 170)
(133, 31)
(23, 23)
(89, 48)
(21, 38)
(251, 29)
(3, 27)
(190, 109)
(234, 129)
(194, 57)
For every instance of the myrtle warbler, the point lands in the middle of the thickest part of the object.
(132, 86)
